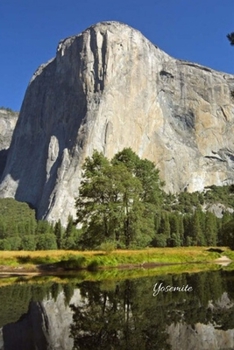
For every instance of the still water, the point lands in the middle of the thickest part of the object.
(187, 311)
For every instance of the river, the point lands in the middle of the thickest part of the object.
(177, 311)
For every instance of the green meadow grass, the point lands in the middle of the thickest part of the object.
(93, 260)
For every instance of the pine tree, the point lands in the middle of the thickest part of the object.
(197, 233)
(71, 235)
(58, 231)
(211, 229)
(165, 225)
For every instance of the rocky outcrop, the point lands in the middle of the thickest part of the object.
(110, 88)
(8, 120)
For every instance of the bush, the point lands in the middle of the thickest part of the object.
(108, 247)
(73, 262)
(46, 241)
(93, 266)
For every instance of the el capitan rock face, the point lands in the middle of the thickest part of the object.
(8, 120)
(110, 88)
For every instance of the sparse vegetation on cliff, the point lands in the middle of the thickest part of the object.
(7, 109)
(231, 38)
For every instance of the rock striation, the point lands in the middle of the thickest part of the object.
(8, 120)
(109, 88)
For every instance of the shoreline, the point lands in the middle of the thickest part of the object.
(19, 263)
(44, 270)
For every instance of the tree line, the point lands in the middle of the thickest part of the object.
(122, 204)
(19, 229)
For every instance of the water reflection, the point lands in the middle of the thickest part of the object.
(120, 315)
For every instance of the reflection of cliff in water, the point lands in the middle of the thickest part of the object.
(123, 315)
(46, 325)
(29, 332)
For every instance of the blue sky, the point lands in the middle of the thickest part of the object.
(30, 30)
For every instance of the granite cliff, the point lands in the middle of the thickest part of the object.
(8, 120)
(109, 88)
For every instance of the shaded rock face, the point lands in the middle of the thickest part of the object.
(110, 88)
(46, 325)
(8, 121)
(29, 332)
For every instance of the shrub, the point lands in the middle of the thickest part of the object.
(73, 262)
(108, 247)
(93, 266)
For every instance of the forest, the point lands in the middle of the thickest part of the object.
(122, 204)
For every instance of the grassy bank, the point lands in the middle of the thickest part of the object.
(92, 260)
(107, 275)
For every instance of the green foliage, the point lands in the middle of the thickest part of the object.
(93, 266)
(72, 262)
(15, 242)
(122, 205)
(107, 247)
(117, 200)
(227, 233)
(28, 242)
(211, 230)
(160, 240)
(71, 236)
(43, 227)
(16, 218)
(5, 244)
(46, 241)
(122, 201)
(220, 194)
(58, 231)
(7, 109)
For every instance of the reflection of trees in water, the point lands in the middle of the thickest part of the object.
(110, 320)
(127, 316)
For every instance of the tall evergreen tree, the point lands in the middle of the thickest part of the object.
(197, 233)
(165, 227)
(58, 231)
(210, 229)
